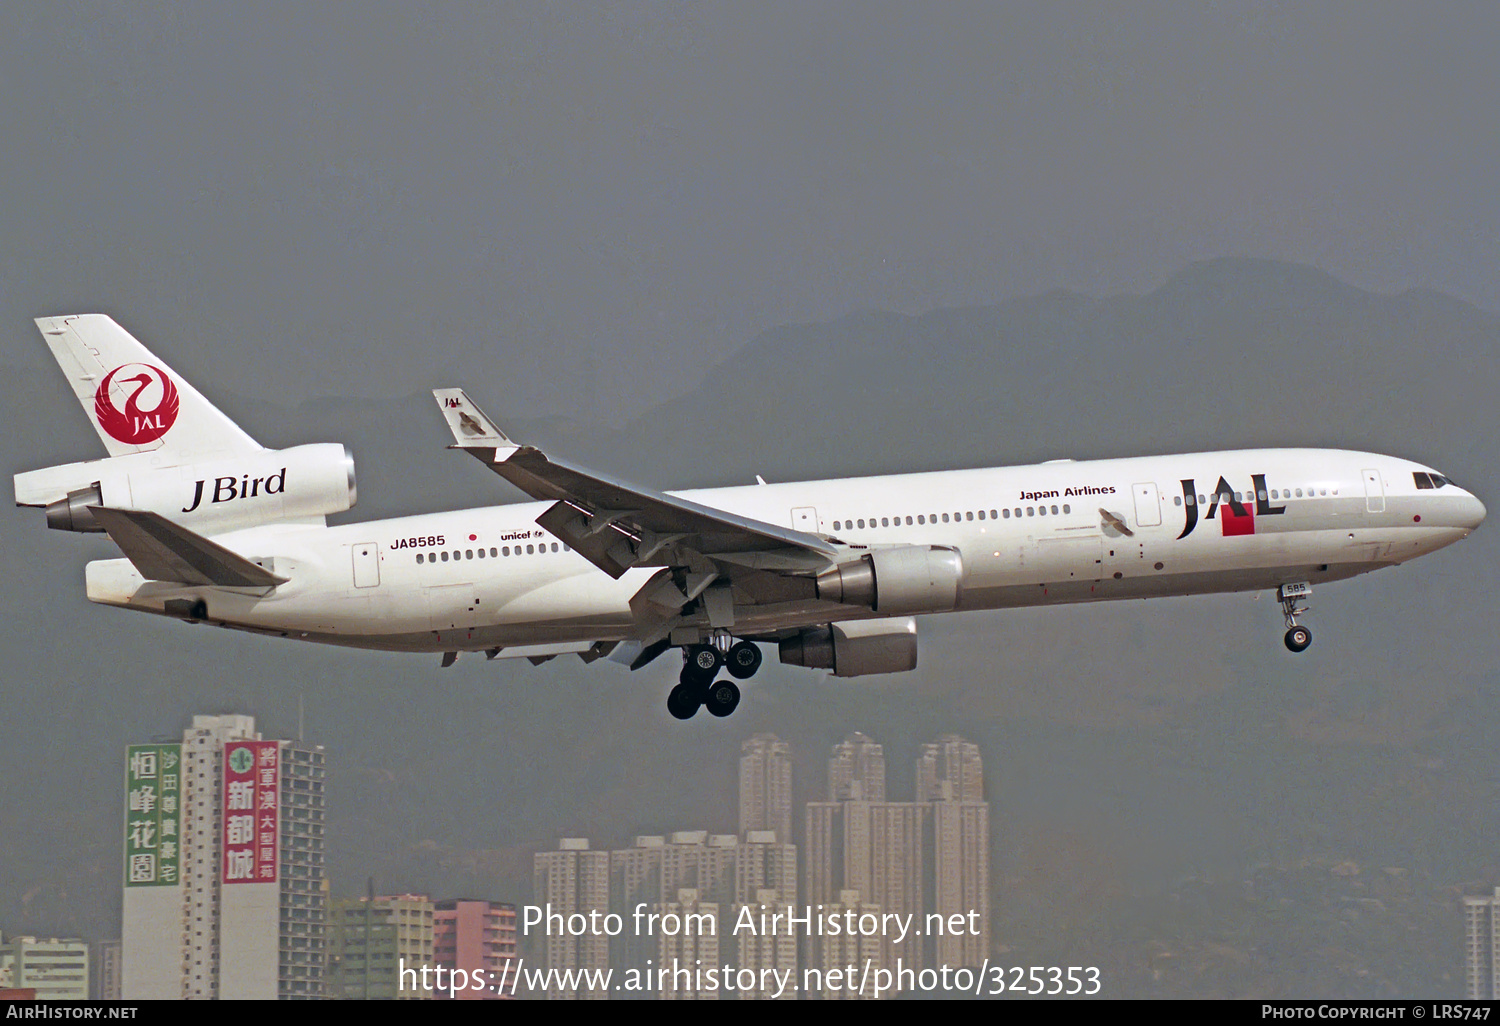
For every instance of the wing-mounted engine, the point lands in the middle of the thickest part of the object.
(896, 581)
(855, 648)
(222, 493)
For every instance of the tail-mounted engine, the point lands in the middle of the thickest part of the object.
(220, 494)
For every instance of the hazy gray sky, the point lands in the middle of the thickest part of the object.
(584, 207)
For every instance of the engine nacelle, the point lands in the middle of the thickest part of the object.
(855, 648)
(224, 493)
(896, 581)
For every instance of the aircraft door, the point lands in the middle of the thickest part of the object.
(1374, 492)
(805, 518)
(1147, 504)
(366, 564)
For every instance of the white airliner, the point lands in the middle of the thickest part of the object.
(217, 529)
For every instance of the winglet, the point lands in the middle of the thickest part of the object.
(471, 428)
(164, 551)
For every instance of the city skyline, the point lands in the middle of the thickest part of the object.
(925, 862)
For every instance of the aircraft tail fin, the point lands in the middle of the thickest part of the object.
(164, 551)
(136, 402)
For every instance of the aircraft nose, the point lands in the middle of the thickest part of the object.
(1474, 512)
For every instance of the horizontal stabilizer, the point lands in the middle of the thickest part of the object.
(163, 551)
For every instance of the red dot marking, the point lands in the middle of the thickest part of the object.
(472, 537)
(1417, 519)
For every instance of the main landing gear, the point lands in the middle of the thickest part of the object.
(1298, 637)
(697, 686)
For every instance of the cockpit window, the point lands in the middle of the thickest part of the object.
(1426, 480)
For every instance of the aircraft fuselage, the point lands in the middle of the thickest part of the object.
(1052, 533)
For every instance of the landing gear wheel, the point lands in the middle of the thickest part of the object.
(743, 660)
(684, 699)
(703, 662)
(722, 699)
(1298, 638)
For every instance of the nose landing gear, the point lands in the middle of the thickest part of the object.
(696, 686)
(1298, 637)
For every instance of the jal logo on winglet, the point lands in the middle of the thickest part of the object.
(151, 389)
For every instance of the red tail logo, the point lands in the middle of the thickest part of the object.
(134, 425)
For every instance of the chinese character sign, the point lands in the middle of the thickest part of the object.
(153, 786)
(252, 794)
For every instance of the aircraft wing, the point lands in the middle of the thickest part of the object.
(617, 525)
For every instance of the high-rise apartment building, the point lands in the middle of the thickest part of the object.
(104, 966)
(856, 770)
(379, 946)
(766, 786)
(840, 971)
(866, 852)
(683, 953)
(767, 950)
(224, 879)
(56, 969)
(930, 856)
(1482, 947)
(478, 938)
(950, 777)
(762, 862)
(950, 769)
(573, 879)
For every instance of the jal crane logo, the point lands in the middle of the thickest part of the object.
(134, 425)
